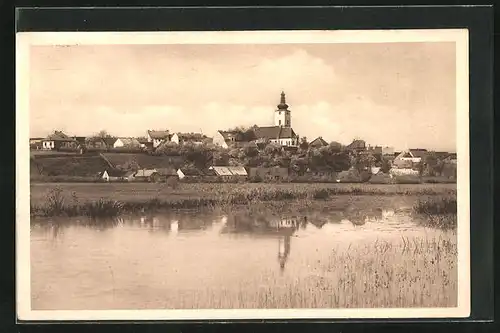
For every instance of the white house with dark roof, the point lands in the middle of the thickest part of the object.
(413, 155)
(126, 143)
(195, 138)
(58, 140)
(158, 137)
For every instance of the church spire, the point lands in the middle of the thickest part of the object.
(283, 105)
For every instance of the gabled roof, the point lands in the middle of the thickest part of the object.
(109, 141)
(59, 136)
(145, 172)
(357, 144)
(192, 136)
(222, 171)
(115, 172)
(129, 173)
(159, 134)
(237, 135)
(129, 141)
(191, 172)
(319, 142)
(418, 152)
(274, 132)
(238, 171)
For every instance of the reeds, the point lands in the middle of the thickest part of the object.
(57, 203)
(411, 272)
(438, 212)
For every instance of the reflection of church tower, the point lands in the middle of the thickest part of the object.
(282, 115)
(283, 250)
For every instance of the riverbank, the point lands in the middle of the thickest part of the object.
(136, 192)
(436, 204)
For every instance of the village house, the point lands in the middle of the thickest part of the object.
(375, 150)
(158, 137)
(110, 175)
(275, 173)
(191, 173)
(167, 174)
(318, 143)
(226, 139)
(188, 173)
(130, 143)
(95, 143)
(145, 175)
(409, 157)
(356, 146)
(59, 140)
(195, 138)
(387, 151)
(230, 172)
(36, 143)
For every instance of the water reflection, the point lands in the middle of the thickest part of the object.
(153, 256)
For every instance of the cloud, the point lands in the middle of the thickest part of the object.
(332, 91)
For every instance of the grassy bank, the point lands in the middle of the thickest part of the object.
(139, 192)
(438, 209)
(415, 272)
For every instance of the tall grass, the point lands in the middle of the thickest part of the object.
(416, 272)
(56, 202)
(437, 212)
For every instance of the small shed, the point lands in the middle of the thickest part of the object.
(189, 173)
(238, 171)
(164, 174)
(222, 171)
(112, 175)
(276, 173)
(145, 175)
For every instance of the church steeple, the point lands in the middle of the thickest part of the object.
(283, 105)
(282, 114)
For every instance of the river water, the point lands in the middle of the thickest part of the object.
(168, 260)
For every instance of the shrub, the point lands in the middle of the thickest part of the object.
(321, 194)
(436, 206)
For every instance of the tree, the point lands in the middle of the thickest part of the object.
(385, 165)
(103, 134)
(303, 145)
(299, 164)
(335, 147)
(363, 161)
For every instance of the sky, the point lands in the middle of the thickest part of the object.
(390, 94)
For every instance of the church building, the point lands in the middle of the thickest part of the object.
(282, 132)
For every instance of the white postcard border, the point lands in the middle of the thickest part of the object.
(25, 40)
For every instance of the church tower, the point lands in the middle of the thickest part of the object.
(282, 114)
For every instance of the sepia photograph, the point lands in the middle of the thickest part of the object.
(242, 174)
